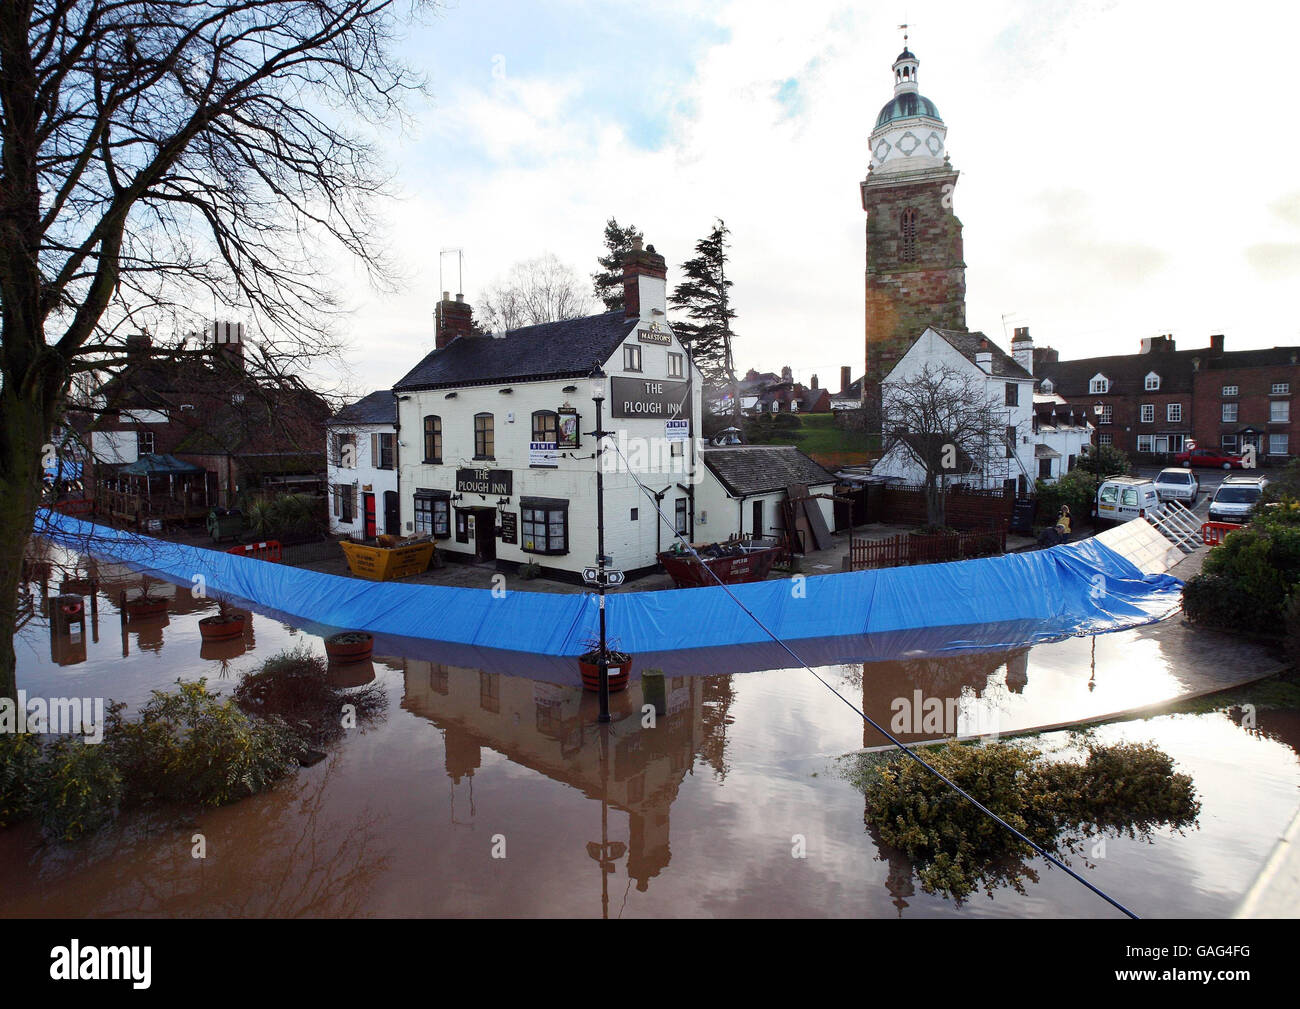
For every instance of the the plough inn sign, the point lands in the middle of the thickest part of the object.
(484, 481)
(639, 397)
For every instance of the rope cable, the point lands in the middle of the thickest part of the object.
(1051, 859)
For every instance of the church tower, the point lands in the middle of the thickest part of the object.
(916, 276)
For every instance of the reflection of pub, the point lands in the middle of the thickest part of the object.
(966, 684)
(552, 729)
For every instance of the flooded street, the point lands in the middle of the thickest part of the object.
(490, 790)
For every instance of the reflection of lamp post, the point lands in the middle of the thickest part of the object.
(606, 852)
(602, 664)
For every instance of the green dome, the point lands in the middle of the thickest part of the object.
(905, 106)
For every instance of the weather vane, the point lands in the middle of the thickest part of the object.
(903, 28)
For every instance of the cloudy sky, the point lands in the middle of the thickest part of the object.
(1127, 169)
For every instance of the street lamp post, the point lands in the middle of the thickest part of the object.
(1096, 467)
(602, 665)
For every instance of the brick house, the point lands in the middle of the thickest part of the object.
(1153, 402)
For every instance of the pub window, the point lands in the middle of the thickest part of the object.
(433, 438)
(675, 366)
(546, 426)
(679, 515)
(383, 451)
(907, 236)
(484, 438)
(432, 515)
(545, 527)
(631, 357)
(345, 451)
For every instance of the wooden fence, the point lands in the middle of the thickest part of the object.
(909, 548)
(964, 509)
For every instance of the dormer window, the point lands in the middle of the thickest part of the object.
(1047, 386)
(1099, 384)
(1152, 382)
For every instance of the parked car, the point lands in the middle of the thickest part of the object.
(1209, 457)
(1178, 485)
(1123, 498)
(1236, 497)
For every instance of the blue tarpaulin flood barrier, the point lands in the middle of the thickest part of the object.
(1076, 588)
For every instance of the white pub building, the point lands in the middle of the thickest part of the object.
(497, 460)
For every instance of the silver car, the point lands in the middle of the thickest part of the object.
(1178, 485)
(1235, 498)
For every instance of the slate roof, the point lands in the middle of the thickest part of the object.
(1266, 357)
(968, 345)
(1127, 372)
(745, 470)
(570, 348)
(380, 407)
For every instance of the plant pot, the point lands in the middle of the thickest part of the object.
(219, 627)
(139, 609)
(618, 675)
(349, 646)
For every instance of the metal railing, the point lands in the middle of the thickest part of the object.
(1176, 522)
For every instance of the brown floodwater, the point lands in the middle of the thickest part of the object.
(489, 789)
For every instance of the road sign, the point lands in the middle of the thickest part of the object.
(612, 576)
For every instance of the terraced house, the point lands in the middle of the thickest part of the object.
(1151, 404)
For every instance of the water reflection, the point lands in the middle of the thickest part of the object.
(628, 819)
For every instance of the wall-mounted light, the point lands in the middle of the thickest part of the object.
(570, 388)
(450, 395)
(403, 398)
(506, 391)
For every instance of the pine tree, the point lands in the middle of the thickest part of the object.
(609, 281)
(705, 297)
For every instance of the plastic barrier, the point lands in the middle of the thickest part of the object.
(1212, 533)
(267, 550)
(1075, 588)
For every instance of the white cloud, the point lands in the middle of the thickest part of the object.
(1167, 129)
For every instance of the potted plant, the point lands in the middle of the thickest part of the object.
(349, 646)
(227, 622)
(618, 665)
(145, 604)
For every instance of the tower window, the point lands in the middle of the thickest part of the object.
(907, 236)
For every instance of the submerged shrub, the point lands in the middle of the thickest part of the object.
(20, 758)
(80, 788)
(191, 746)
(294, 686)
(1128, 789)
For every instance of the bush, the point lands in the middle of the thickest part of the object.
(286, 516)
(293, 688)
(81, 788)
(530, 571)
(1076, 489)
(190, 746)
(20, 758)
(1254, 570)
(1125, 788)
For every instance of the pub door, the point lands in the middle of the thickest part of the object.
(368, 506)
(391, 517)
(480, 523)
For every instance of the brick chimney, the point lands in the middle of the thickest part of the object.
(645, 283)
(1022, 349)
(846, 378)
(1046, 355)
(984, 357)
(226, 340)
(452, 319)
(814, 381)
(1163, 344)
(1216, 345)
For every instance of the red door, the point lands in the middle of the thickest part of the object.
(369, 502)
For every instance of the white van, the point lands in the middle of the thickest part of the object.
(1123, 498)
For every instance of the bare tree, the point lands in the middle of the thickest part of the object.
(159, 154)
(533, 292)
(948, 423)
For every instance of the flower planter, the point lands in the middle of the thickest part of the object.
(618, 674)
(219, 627)
(349, 646)
(140, 609)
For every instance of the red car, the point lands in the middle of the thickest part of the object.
(1209, 457)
